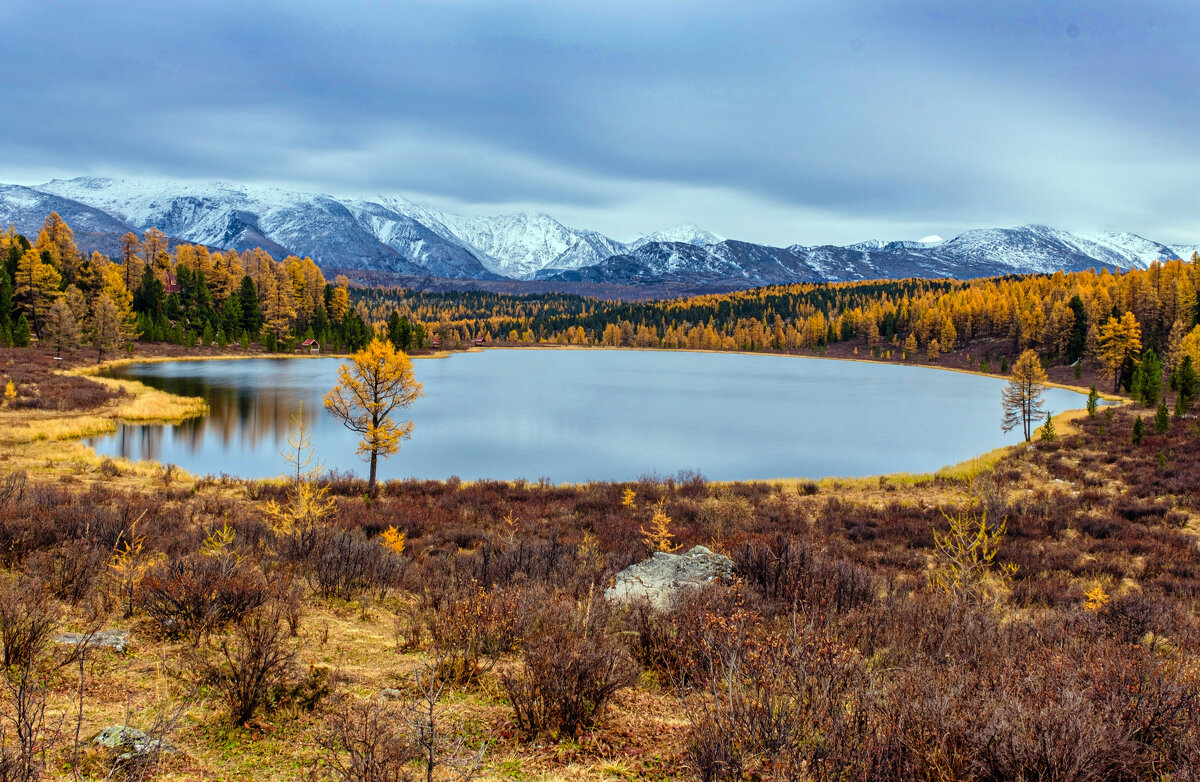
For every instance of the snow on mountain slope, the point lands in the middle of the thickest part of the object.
(353, 234)
(394, 234)
(688, 233)
(521, 245)
(27, 208)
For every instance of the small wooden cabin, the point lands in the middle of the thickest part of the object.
(312, 345)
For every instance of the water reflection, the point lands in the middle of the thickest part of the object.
(591, 415)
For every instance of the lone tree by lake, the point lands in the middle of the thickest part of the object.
(1022, 397)
(377, 381)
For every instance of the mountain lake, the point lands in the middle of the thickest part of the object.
(573, 416)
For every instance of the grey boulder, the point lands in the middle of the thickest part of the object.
(661, 578)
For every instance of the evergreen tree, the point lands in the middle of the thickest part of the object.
(1092, 400)
(1147, 379)
(251, 315)
(1162, 417)
(150, 294)
(355, 334)
(7, 303)
(1186, 382)
(1048, 434)
(1139, 430)
(1077, 341)
(20, 332)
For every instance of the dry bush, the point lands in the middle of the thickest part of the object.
(796, 706)
(344, 563)
(28, 621)
(573, 665)
(704, 625)
(191, 597)
(254, 670)
(70, 570)
(471, 631)
(369, 741)
(789, 572)
(29, 732)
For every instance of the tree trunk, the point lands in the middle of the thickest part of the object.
(371, 482)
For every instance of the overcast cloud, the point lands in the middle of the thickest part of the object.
(776, 122)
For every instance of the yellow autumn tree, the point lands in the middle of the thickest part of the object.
(37, 283)
(1120, 344)
(307, 502)
(657, 536)
(376, 382)
(1022, 397)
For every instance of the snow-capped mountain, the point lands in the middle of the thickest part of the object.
(392, 234)
(521, 245)
(979, 253)
(687, 233)
(349, 235)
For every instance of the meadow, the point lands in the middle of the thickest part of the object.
(1030, 617)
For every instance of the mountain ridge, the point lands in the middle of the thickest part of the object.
(390, 234)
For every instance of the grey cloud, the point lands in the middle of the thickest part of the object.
(884, 113)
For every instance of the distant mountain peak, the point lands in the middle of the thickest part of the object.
(392, 233)
(684, 233)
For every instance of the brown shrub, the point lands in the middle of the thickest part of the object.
(188, 598)
(255, 669)
(572, 667)
(28, 620)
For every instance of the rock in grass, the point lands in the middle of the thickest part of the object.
(134, 743)
(117, 640)
(661, 578)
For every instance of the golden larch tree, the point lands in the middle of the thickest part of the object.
(1120, 344)
(376, 382)
(1022, 397)
(37, 284)
(110, 327)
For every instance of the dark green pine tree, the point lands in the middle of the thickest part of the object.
(1162, 417)
(355, 333)
(1187, 384)
(1139, 430)
(150, 294)
(1147, 379)
(1077, 342)
(20, 332)
(7, 303)
(252, 319)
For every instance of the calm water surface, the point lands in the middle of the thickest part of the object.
(583, 415)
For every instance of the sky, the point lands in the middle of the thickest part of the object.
(774, 122)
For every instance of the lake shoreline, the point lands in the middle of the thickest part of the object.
(967, 467)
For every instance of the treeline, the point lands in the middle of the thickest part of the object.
(1064, 317)
(190, 295)
(154, 292)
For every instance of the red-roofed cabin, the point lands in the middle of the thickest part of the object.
(435, 342)
(172, 285)
(312, 345)
(478, 341)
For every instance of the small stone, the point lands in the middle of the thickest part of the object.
(661, 578)
(117, 640)
(390, 694)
